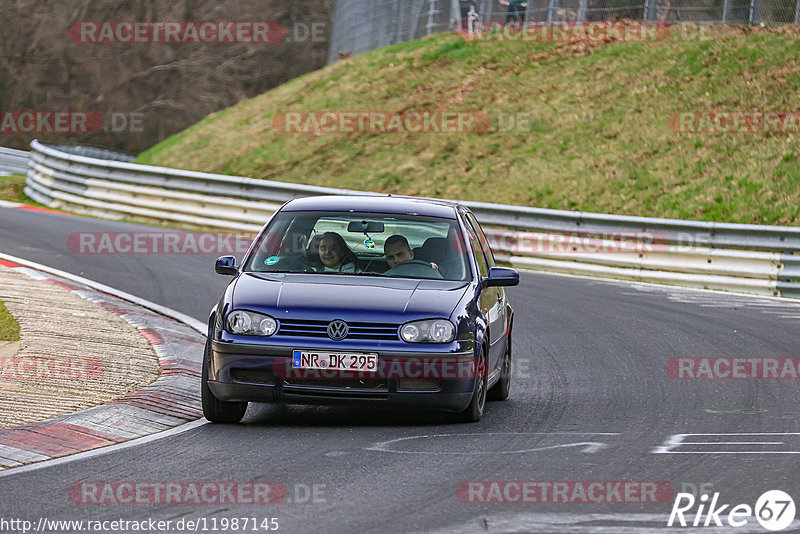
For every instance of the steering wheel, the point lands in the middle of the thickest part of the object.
(414, 262)
(413, 268)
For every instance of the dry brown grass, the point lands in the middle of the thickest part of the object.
(599, 139)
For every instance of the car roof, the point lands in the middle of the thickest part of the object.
(375, 204)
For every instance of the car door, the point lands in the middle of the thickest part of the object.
(492, 299)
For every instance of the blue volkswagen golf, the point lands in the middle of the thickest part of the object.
(362, 300)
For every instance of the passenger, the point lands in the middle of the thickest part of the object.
(335, 255)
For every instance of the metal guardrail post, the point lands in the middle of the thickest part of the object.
(650, 9)
(726, 11)
(582, 7)
(797, 13)
(753, 16)
(551, 10)
(431, 15)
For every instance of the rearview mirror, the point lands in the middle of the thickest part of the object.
(372, 227)
(226, 265)
(502, 276)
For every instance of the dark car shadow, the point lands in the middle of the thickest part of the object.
(344, 416)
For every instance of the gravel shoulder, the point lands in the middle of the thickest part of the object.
(73, 354)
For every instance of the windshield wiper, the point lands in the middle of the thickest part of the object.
(351, 274)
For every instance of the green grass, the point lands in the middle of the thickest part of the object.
(598, 139)
(12, 189)
(9, 328)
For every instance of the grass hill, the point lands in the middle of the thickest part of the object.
(601, 136)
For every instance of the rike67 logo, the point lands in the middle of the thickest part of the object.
(774, 510)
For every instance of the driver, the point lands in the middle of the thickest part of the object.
(398, 250)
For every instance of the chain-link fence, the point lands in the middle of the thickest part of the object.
(697, 11)
(362, 25)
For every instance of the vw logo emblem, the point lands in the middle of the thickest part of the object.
(337, 330)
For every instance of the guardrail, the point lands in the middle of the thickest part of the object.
(13, 161)
(736, 257)
(94, 152)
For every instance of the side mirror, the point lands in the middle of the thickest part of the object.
(226, 265)
(502, 276)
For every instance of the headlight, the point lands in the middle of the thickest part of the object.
(251, 324)
(428, 331)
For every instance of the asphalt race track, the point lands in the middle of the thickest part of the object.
(591, 401)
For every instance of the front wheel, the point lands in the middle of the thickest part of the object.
(501, 389)
(215, 410)
(474, 412)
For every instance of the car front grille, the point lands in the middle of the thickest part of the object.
(344, 384)
(308, 328)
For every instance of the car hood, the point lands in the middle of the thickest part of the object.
(325, 296)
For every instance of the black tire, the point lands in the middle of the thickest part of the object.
(474, 412)
(501, 389)
(215, 410)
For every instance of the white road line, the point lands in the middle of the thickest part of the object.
(587, 446)
(676, 441)
(611, 523)
(664, 288)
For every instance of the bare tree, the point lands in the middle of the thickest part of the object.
(172, 85)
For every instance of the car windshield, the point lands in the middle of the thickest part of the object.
(357, 243)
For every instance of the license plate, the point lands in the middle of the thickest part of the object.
(337, 361)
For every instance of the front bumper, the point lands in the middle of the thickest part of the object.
(260, 373)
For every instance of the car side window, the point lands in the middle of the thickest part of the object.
(482, 238)
(477, 250)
